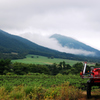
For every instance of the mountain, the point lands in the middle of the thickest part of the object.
(74, 44)
(15, 47)
(12, 46)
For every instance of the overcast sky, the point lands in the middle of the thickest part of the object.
(79, 19)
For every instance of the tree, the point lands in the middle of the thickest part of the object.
(54, 70)
(32, 56)
(5, 66)
(37, 56)
(77, 68)
(20, 68)
(52, 57)
(68, 66)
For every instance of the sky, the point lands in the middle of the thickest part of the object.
(36, 20)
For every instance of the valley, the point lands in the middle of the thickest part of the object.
(22, 47)
(36, 59)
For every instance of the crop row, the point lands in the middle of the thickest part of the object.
(42, 79)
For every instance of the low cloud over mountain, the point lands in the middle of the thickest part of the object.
(53, 43)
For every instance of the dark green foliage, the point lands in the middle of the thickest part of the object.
(12, 56)
(68, 66)
(77, 68)
(62, 68)
(97, 65)
(21, 68)
(38, 69)
(5, 66)
(54, 70)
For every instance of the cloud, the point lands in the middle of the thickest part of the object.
(53, 44)
(77, 51)
(49, 14)
(79, 19)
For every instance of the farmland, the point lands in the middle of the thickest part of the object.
(40, 86)
(38, 79)
(41, 78)
(35, 59)
(43, 87)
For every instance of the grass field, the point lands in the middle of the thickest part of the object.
(44, 87)
(40, 87)
(43, 60)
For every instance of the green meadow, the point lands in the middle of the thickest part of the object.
(36, 59)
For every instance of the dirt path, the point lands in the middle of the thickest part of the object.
(94, 96)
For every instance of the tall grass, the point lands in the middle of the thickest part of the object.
(60, 92)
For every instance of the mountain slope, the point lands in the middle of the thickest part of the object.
(74, 44)
(21, 47)
(11, 43)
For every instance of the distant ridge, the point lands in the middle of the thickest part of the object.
(74, 44)
(21, 46)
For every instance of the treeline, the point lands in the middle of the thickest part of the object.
(66, 69)
(6, 67)
(12, 56)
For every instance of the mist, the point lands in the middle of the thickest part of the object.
(52, 43)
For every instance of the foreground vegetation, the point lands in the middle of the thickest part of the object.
(42, 87)
(20, 81)
(60, 92)
(46, 81)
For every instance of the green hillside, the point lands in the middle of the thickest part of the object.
(15, 47)
(21, 46)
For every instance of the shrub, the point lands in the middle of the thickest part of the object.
(28, 89)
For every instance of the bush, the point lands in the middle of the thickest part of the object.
(28, 89)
